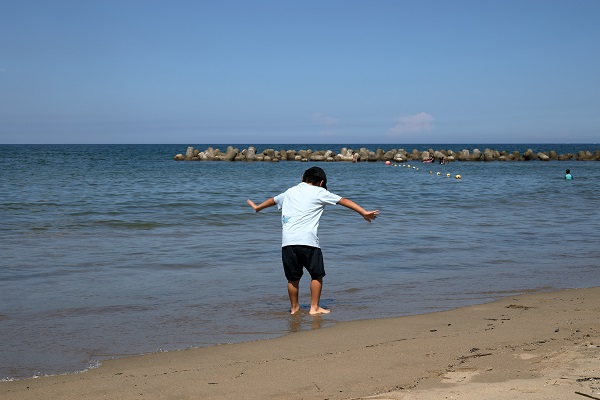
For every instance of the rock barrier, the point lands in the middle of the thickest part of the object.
(364, 155)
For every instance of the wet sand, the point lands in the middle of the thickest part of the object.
(534, 346)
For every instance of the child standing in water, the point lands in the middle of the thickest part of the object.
(568, 175)
(301, 209)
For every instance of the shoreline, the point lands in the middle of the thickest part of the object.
(545, 344)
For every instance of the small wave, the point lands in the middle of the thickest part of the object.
(351, 290)
(94, 364)
(74, 311)
(136, 225)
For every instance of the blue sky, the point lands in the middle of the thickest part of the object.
(329, 71)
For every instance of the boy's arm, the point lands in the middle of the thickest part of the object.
(367, 215)
(267, 203)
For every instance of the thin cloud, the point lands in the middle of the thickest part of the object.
(327, 123)
(410, 124)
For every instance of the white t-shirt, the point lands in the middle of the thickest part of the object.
(301, 208)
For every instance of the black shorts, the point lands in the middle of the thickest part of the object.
(297, 257)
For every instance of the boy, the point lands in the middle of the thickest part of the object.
(568, 175)
(301, 208)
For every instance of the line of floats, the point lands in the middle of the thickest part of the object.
(417, 169)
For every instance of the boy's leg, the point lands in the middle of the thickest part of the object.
(293, 272)
(293, 290)
(316, 286)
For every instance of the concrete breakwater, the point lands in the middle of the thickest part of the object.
(363, 154)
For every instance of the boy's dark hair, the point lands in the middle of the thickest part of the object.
(314, 176)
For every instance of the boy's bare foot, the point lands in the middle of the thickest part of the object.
(319, 310)
(294, 310)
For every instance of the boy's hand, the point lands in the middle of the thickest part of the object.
(370, 215)
(367, 215)
(251, 203)
(267, 203)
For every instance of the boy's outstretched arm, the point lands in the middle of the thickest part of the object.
(267, 203)
(367, 215)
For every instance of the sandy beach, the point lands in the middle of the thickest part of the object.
(532, 346)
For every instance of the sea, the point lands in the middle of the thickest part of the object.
(108, 251)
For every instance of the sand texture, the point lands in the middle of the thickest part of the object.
(533, 346)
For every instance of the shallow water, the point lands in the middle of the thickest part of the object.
(116, 250)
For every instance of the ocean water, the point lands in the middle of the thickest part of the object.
(115, 250)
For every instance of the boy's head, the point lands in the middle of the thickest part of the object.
(568, 171)
(314, 176)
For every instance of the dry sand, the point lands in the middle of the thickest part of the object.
(534, 346)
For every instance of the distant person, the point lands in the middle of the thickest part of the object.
(568, 175)
(301, 209)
